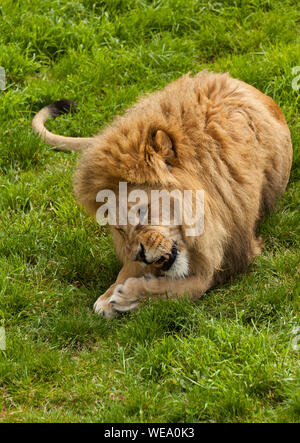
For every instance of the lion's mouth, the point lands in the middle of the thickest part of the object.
(164, 262)
(172, 257)
(179, 268)
(174, 264)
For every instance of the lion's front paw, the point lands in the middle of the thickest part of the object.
(126, 296)
(103, 308)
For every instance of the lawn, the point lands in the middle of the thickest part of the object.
(230, 357)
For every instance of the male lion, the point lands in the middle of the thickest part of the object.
(209, 132)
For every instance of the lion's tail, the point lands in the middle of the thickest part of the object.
(59, 141)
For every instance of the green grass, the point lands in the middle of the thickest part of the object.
(227, 358)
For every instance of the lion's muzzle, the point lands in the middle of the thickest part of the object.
(163, 261)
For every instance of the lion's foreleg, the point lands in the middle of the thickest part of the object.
(126, 296)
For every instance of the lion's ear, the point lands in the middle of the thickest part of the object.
(162, 140)
(164, 146)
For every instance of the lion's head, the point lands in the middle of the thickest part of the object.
(146, 158)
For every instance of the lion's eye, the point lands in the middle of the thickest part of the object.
(142, 214)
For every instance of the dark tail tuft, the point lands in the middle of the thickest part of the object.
(60, 107)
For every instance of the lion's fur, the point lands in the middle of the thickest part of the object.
(209, 132)
(229, 139)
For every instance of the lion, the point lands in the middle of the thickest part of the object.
(210, 132)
